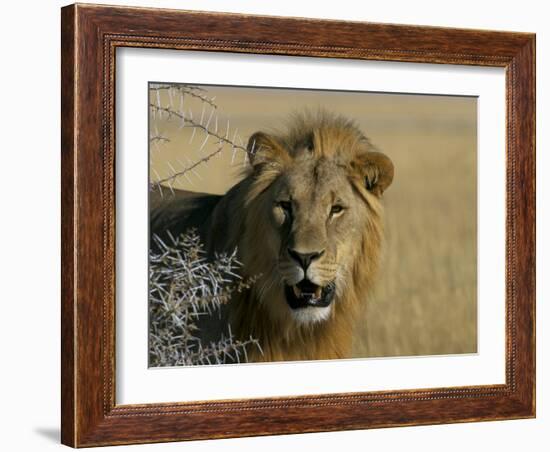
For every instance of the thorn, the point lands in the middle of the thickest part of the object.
(172, 168)
(202, 114)
(188, 179)
(170, 97)
(182, 98)
(182, 125)
(204, 142)
(209, 118)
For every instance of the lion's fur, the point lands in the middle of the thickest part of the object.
(319, 154)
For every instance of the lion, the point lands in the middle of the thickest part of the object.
(306, 220)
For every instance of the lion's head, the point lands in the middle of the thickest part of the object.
(312, 217)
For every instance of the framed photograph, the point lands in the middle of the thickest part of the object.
(281, 225)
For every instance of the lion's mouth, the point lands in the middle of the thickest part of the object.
(306, 294)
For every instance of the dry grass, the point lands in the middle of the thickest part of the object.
(425, 299)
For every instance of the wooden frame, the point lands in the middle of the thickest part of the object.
(90, 35)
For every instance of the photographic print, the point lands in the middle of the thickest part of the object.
(294, 224)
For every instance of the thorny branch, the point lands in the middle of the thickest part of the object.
(183, 287)
(189, 168)
(207, 123)
(187, 90)
(158, 138)
(192, 123)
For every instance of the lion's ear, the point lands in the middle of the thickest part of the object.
(264, 149)
(377, 170)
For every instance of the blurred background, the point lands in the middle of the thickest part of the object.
(425, 301)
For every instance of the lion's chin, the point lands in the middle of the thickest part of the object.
(310, 316)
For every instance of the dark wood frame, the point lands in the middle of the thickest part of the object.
(90, 35)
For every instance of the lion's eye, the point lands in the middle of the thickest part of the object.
(286, 206)
(336, 209)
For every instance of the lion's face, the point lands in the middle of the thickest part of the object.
(314, 211)
(315, 219)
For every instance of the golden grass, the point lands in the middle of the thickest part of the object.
(425, 299)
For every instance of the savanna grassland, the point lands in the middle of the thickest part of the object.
(425, 301)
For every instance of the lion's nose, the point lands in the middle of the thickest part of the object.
(304, 259)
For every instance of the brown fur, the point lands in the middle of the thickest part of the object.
(320, 160)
